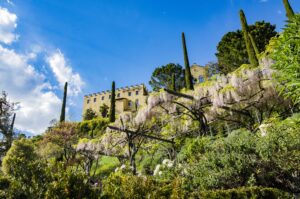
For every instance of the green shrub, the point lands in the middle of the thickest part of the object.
(279, 154)
(222, 163)
(94, 127)
(118, 185)
(244, 193)
(70, 184)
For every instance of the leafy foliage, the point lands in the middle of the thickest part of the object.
(286, 53)
(89, 114)
(7, 116)
(22, 165)
(104, 110)
(231, 50)
(162, 77)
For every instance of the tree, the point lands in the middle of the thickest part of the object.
(63, 107)
(89, 114)
(104, 110)
(162, 77)
(289, 10)
(7, 119)
(254, 45)
(188, 76)
(63, 137)
(23, 166)
(231, 50)
(213, 68)
(173, 82)
(250, 50)
(112, 112)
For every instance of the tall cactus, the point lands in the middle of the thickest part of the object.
(288, 8)
(63, 107)
(254, 45)
(188, 76)
(250, 50)
(112, 111)
(173, 82)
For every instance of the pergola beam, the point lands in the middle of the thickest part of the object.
(140, 134)
(179, 94)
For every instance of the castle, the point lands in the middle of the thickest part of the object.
(129, 98)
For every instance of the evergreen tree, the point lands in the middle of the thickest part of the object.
(89, 114)
(188, 76)
(173, 84)
(254, 45)
(250, 50)
(112, 112)
(288, 8)
(63, 107)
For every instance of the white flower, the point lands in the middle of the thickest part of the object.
(156, 170)
(123, 167)
(160, 173)
(168, 163)
(263, 129)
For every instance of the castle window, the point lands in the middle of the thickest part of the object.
(129, 104)
(88, 101)
(95, 99)
(102, 97)
(136, 92)
(119, 95)
(109, 96)
(129, 93)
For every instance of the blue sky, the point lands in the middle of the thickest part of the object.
(93, 42)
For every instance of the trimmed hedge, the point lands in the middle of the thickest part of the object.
(244, 193)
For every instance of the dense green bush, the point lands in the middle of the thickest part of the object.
(22, 166)
(93, 127)
(279, 151)
(70, 184)
(222, 163)
(244, 193)
(119, 185)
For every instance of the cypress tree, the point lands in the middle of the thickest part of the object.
(254, 45)
(112, 111)
(250, 50)
(288, 8)
(63, 107)
(173, 83)
(188, 76)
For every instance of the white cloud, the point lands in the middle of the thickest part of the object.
(64, 73)
(8, 23)
(25, 85)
